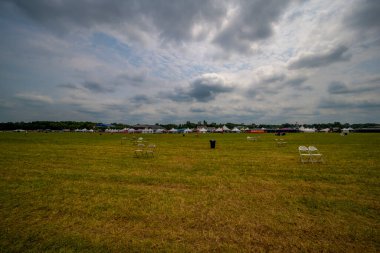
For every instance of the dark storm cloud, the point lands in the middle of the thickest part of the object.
(202, 89)
(253, 22)
(96, 87)
(337, 54)
(365, 15)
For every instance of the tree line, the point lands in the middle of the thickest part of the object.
(72, 125)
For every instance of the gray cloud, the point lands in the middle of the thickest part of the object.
(142, 99)
(202, 89)
(365, 15)
(87, 85)
(253, 22)
(338, 104)
(34, 99)
(197, 110)
(337, 54)
(96, 87)
(175, 19)
(69, 86)
(62, 16)
(273, 78)
(179, 95)
(273, 84)
(296, 82)
(337, 87)
(172, 19)
(132, 78)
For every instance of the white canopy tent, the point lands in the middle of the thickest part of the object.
(147, 131)
(307, 130)
(173, 131)
(219, 130)
(202, 130)
(226, 129)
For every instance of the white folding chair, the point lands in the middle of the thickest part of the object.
(139, 151)
(150, 150)
(304, 154)
(315, 156)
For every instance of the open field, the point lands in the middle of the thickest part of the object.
(75, 192)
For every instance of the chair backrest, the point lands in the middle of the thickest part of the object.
(152, 146)
(313, 149)
(303, 149)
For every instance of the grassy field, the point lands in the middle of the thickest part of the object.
(82, 192)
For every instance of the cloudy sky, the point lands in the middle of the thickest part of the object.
(163, 61)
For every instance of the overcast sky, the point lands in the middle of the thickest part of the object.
(163, 61)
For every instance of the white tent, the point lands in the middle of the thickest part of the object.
(81, 130)
(225, 128)
(235, 130)
(202, 130)
(219, 130)
(159, 131)
(345, 131)
(307, 130)
(173, 130)
(131, 130)
(147, 131)
(187, 130)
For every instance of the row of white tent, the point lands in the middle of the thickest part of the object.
(326, 130)
(199, 130)
(84, 130)
(173, 130)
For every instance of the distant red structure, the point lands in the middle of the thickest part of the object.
(256, 131)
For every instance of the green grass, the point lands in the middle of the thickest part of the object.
(78, 192)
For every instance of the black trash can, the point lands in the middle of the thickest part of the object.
(212, 143)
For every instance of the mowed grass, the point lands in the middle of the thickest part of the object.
(81, 192)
